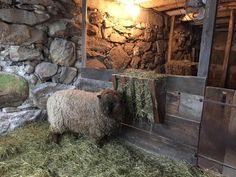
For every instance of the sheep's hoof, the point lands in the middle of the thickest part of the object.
(101, 142)
(76, 136)
(56, 137)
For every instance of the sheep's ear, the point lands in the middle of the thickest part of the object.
(99, 96)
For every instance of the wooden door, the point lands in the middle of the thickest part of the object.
(217, 144)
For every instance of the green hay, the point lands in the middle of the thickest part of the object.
(27, 153)
(137, 94)
(138, 73)
(143, 101)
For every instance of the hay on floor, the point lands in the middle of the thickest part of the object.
(27, 152)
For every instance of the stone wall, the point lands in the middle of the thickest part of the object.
(125, 42)
(40, 45)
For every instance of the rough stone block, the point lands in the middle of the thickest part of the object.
(13, 90)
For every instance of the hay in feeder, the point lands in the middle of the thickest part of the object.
(27, 153)
(138, 73)
(138, 92)
(143, 101)
(137, 96)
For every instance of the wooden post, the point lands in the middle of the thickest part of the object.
(228, 46)
(84, 32)
(170, 38)
(207, 38)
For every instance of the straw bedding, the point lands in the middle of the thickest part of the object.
(28, 153)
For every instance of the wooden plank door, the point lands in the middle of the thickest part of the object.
(217, 145)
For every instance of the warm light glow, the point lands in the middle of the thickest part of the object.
(131, 8)
(188, 17)
(124, 9)
(139, 1)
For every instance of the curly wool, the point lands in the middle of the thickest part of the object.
(78, 111)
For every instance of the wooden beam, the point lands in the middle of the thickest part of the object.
(84, 32)
(182, 11)
(207, 38)
(176, 12)
(170, 38)
(170, 6)
(227, 6)
(224, 1)
(161, 3)
(228, 49)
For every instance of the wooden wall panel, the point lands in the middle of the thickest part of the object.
(230, 152)
(187, 84)
(179, 130)
(184, 105)
(217, 147)
(97, 74)
(160, 145)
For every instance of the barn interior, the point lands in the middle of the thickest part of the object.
(174, 61)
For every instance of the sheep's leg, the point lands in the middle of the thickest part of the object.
(76, 136)
(108, 138)
(56, 137)
(102, 141)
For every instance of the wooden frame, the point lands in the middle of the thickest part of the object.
(207, 38)
(84, 32)
(171, 38)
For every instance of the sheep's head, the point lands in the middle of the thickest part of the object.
(111, 104)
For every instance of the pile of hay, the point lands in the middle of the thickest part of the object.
(27, 152)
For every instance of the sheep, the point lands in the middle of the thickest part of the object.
(97, 115)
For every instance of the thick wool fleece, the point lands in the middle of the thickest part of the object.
(78, 111)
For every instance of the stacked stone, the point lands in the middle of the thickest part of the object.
(40, 44)
(38, 40)
(125, 43)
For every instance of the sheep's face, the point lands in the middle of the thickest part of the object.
(110, 103)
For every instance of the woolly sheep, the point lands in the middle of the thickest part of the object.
(95, 114)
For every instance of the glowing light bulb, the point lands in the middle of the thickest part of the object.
(131, 8)
(139, 1)
(126, 9)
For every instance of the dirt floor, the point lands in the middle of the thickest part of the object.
(27, 152)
